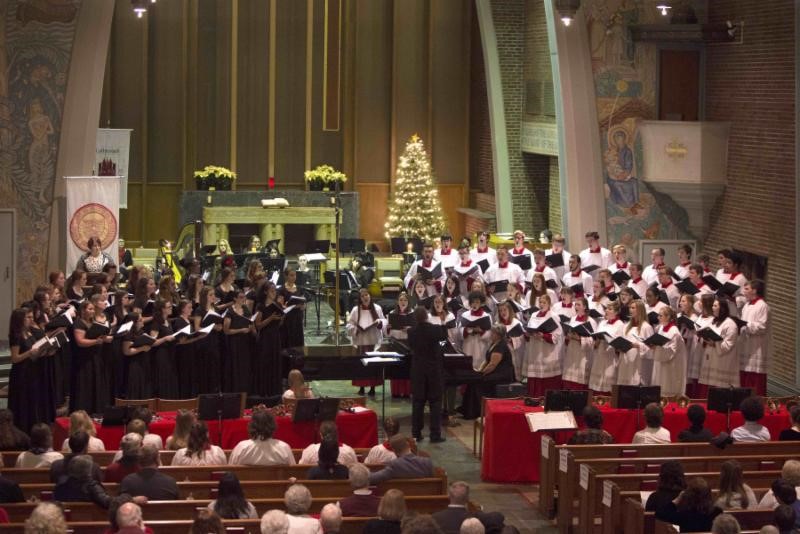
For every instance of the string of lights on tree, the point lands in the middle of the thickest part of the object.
(415, 210)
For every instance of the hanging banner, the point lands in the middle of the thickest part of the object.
(111, 159)
(92, 211)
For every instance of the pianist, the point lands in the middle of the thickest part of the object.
(497, 368)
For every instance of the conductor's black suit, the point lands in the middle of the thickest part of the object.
(427, 377)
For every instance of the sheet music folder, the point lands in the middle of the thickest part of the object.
(538, 421)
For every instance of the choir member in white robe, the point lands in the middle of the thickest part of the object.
(418, 294)
(446, 253)
(365, 326)
(506, 315)
(637, 283)
(544, 352)
(667, 284)
(578, 351)
(519, 250)
(604, 367)
(720, 365)
(558, 249)
(635, 366)
(443, 317)
(518, 302)
(466, 271)
(669, 360)
(566, 306)
(650, 273)
(478, 287)
(598, 301)
(757, 343)
(595, 255)
(503, 270)
(696, 278)
(433, 285)
(539, 288)
(620, 262)
(576, 277)
(540, 267)
(652, 303)
(730, 273)
(694, 349)
(401, 387)
(610, 288)
(684, 261)
(475, 340)
(483, 251)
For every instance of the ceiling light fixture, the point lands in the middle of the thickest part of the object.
(567, 9)
(664, 8)
(139, 7)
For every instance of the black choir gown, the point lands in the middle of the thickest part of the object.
(163, 363)
(189, 372)
(292, 334)
(30, 388)
(102, 376)
(238, 360)
(208, 353)
(57, 371)
(83, 372)
(139, 373)
(267, 365)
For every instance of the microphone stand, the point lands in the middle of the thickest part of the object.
(336, 200)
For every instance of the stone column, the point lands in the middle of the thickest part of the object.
(270, 232)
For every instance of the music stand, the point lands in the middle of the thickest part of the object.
(321, 246)
(351, 245)
(116, 415)
(219, 406)
(726, 400)
(566, 400)
(634, 397)
(323, 409)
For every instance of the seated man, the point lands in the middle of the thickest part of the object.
(406, 465)
(330, 518)
(79, 485)
(129, 519)
(362, 502)
(148, 481)
(696, 431)
(654, 432)
(382, 452)
(451, 519)
(593, 434)
(298, 501)
(78, 444)
(139, 426)
(275, 522)
(752, 409)
(261, 448)
(328, 431)
(128, 463)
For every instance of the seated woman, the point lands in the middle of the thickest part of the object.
(654, 432)
(231, 502)
(329, 467)
(41, 453)
(297, 386)
(733, 493)
(262, 448)
(391, 511)
(752, 409)
(696, 433)
(80, 420)
(497, 368)
(671, 483)
(207, 522)
(792, 433)
(183, 426)
(199, 450)
(790, 474)
(11, 437)
(79, 485)
(593, 434)
(694, 510)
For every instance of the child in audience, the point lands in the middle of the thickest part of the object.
(297, 386)
(654, 432)
(752, 409)
(696, 433)
(671, 483)
(733, 493)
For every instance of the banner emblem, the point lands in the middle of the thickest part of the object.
(92, 220)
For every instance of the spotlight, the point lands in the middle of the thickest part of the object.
(566, 10)
(664, 8)
(139, 7)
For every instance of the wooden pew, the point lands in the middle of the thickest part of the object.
(268, 489)
(176, 510)
(550, 458)
(637, 521)
(613, 499)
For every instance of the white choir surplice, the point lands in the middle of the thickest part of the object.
(561, 270)
(604, 367)
(359, 317)
(673, 294)
(448, 258)
(694, 347)
(473, 344)
(544, 354)
(739, 300)
(639, 286)
(682, 270)
(603, 258)
(518, 348)
(547, 272)
(757, 337)
(614, 267)
(632, 369)
(465, 281)
(571, 279)
(513, 252)
(720, 365)
(510, 271)
(650, 274)
(431, 289)
(579, 354)
(669, 362)
(489, 254)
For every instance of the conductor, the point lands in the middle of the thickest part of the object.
(427, 375)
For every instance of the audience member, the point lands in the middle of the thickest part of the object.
(148, 481)
(725, 524)
(451, 518)
(328, 468)
(733, 492)
(78, 443)
(653, 432)
(330, 518)
(406, 465)
(231, 502)
(79, 485)
(769, 529)
(298, 501)
(183, 425)
(362, 502)
(41, 452)
(752, 409)
(9, 489)
(143, 414)
(138, 426)
(275, 522)
(593, 434)
(790, 473)
(11, 437)
(472, 526)
(128, 462)
(46, 518)
(261, 448)
(128, 519)
(207, 522)
(199, 450)
(298, 389)
(785, 518)
(79, 421)
(671, 483)
(391, 510)
(696, 433)
(327, 430)
(382, 452)
(420, 524)
(694, 510)
(792, 433)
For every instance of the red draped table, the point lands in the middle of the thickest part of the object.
(511, 451)
(359, 430)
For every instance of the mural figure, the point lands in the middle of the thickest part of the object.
(620, 172)
(40, 154)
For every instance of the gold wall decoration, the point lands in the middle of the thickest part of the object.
(675, 149)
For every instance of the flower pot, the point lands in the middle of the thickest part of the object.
(202, 183)
(315, 185)
(223, 184)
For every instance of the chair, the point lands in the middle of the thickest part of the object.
(151, 404)
(173, 405)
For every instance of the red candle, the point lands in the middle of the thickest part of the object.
(271, 182)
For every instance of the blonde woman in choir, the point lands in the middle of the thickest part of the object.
(694, 350)
(669, 360)
(365, 326)
(544, 352)
(635, 366)
(475, 341)
(578, 351)
(606, 360)
(720, 366)
(757, 338)
(507, 317)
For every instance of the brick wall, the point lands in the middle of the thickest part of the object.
(554, 211)
(752, 85)
(481, 170)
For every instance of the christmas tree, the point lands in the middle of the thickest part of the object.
(414, 210)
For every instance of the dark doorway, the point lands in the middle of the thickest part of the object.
(679, 85)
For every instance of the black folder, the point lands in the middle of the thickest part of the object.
(595, 314)
(739, 322)
(583, 329)
(483, 322)
(663, 297)
(652, 318)
(59, 321)
(712, 282)
(621, 344)
(484, 264)
(656, 340)
(450, 324)
(589, 269)
(429, 274)
(399, 321)
(728, 289)
(686, 322)
(554, 260)
(517, 331)
(687, 287)
(375, 324)
(143, 339)
(97, 330)
(523, 260)
(473, 269)
(578, 289)
(211, 318)
(545, 327)
(500, 286)
(708, 334)
(454, 305)
(620, 277)
(552, 284)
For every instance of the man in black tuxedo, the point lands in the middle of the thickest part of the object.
(450, 519)
(148, 481)
(427, 375)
